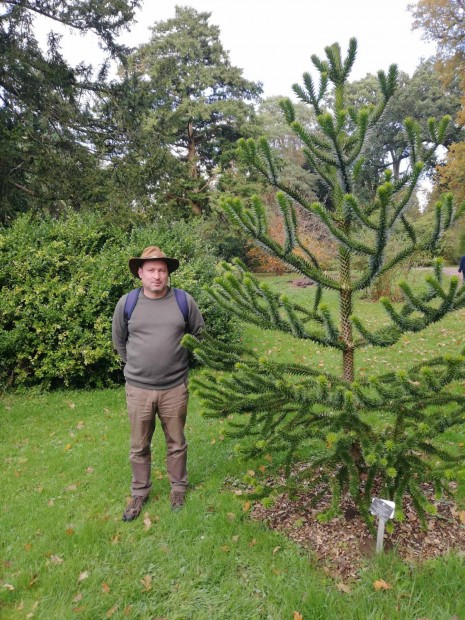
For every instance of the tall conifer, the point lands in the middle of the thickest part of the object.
(362, 434)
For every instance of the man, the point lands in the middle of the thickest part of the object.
(462, 267)
(156, 369)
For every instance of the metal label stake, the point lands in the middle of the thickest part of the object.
(384, 510)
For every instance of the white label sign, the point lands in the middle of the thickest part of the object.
(382, 508)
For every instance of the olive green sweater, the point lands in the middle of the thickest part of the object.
(149, 344)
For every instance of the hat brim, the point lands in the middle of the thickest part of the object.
(136, 262)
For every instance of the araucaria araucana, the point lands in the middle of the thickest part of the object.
(363, 433)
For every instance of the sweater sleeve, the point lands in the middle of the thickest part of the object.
(119, 329)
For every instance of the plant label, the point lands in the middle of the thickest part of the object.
(382, 508)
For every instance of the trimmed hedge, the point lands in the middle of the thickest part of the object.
(60, 280)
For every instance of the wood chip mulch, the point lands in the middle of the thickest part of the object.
(342, 544)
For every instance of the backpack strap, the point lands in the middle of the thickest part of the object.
(130, 303)
(133, 296)
(181, 299)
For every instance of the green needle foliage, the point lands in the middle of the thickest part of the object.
(369, 435)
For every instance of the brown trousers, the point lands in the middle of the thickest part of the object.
(171, 407)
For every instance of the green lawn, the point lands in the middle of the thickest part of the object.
(65, 552)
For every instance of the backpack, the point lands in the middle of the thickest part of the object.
(133, 296)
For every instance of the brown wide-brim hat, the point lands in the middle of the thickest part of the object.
(152, 253)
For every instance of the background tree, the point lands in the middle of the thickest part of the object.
(443, 22)
(423, 96)
(358, 434)
(200, 103)
(293, 170)
(46, 125)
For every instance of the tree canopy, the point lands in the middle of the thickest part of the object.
(45, 119)
(199, 102)
(421, 96)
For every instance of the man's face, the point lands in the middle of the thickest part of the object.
(154, 276)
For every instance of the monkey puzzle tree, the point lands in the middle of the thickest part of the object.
(360, 434)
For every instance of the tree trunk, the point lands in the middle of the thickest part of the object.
(192, 162)
(346, 312)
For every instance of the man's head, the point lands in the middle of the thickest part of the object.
(152, 253)
(153, 268)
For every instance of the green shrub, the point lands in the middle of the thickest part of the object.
(60, 281)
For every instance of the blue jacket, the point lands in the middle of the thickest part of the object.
(462, 265)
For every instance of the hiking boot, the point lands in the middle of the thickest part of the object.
(134, 508)
(177, 499)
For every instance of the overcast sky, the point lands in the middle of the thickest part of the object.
(273, 40)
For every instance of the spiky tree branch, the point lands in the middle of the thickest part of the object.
(291, 405)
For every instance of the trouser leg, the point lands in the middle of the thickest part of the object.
(141, 415)
(172, 411)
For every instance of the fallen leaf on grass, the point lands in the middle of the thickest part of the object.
(235, 538)
(116, 539)
(71, 487)
(105, 587)
(246, 506)
(67, 447)
(80, 425)
(70, 404)
(253, 542)
(147, 522)
(462, 516)
(27, 547)
(343, 588)
(111, 611)
(83, 575)
(55, 559)
(251, 473)
(34, 607)
(225, 548)
(380, 584)
(275, 550)
(297, 616)
(89, 470)
(32, 581)
(77, 598)
(79, 609)
(8, 586)
(70, 531)
(147, 583)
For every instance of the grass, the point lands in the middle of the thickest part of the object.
(65, 552)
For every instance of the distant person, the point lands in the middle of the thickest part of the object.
(156, 372)
(462, 267)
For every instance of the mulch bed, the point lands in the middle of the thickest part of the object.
(342, 544)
